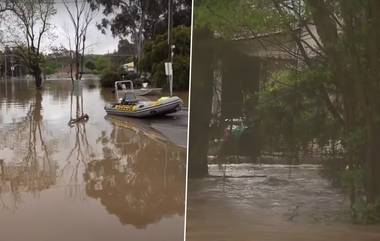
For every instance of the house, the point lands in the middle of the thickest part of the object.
(247, 62)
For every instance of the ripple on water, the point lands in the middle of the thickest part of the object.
(292, 203)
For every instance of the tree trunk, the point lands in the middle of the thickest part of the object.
(359, 82)
(36, 72)
(373, 153)
(373, 164)
(77, 65)
(201, 102)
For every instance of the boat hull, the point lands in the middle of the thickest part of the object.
(168, 107)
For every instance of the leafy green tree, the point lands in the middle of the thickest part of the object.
(108, 77)
(141, 20)
(156, 54)
(90, 65)
(291, 114)
(49, 67)
(101, 63)
(146, 17)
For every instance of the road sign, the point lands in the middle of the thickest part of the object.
(168, 69)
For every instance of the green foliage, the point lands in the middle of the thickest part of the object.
(90, 65)
(181, 69)
(291, 112)
(101, 63)
(124, 17)
(237, 17)
(48, 65)
(353, 178)
(108, 77)
(156, 54)
(50, 68)
(365, 212)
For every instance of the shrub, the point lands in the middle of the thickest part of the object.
(108, 78)
(90, 65)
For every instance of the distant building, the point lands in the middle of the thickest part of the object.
(130, 68)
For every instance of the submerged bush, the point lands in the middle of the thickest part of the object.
(353, 178)
(363, 210)
(366, 212)
(109, 77)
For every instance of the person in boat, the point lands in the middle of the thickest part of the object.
(129, 99)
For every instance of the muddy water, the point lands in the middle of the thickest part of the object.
(281, 203)
(104, 179)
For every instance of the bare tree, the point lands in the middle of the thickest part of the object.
(33, 17)
(5, 6)
(81, 16)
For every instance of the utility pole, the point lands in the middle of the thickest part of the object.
(170, 26)
(171, 47)
(5, 63)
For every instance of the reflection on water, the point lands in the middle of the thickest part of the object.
(120, 179)
(32, 168)
(138, 167)
(281, 203)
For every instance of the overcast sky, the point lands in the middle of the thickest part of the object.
(98, 43)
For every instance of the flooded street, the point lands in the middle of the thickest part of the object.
(279, 203)
(109, 178)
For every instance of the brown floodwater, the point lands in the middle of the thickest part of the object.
(103, 179)
(282, 203)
